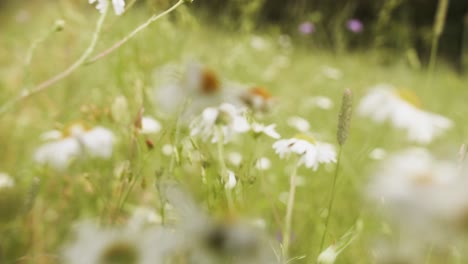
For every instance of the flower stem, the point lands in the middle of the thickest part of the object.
(44, 85)
(289, 211)
(119, 43)
(224, 172)
(332, 198)
(25, 94)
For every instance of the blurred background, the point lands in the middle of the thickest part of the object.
(394, 27)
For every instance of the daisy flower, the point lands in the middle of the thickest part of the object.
(75, 141)
(298, 123)
(269, 130)
(192, 86)
(427, 195)
(403, 110)
(227, 118)
(94, 245)
(311, 152)
(257, 98)
(119, 5)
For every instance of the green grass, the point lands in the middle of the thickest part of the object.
(90, 190)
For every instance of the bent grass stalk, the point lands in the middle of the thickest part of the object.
(44, 85)
(289, 212)
(83, 59)
(133, 33)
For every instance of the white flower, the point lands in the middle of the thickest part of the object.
(119, 5)
(235, 158)
(426, 195)
(94, 245)
(231, 182)
(6, 180)
(377, 154)
(76, 142)
(311, 153)
(263, 164)
(299, 123)
(149, 125)
(321, 102)
(189, 88)
(226, 118)
(328, 256)
(267, 130)
(402, 109)
(257, 98)
(168, 149)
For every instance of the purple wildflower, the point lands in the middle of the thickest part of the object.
(307, 28)
(355, 25)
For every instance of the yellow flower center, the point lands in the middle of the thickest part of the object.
(307, 138)
(409, 97)
(120, 252)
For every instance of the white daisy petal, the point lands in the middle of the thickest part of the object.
(385, 103)
(310, 154)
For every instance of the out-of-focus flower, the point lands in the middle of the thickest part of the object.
(269, 130)
(149, 125)
(211, 241)
(377, 154)
(190, 88)
(6, 181)
(427, 196)
(299, 123)
(168, 149)
(257, 98)
(226, 118)
(332, 73)
(259, 43)
(328, 256)
(143, 216)
(263, 164)
(321, 102)
(119, 5)
(403, 110)
(235, 158)
(75, 141)
(355, 25)
(231, 182)
(311, 153)
(307, 28)
(94, 245)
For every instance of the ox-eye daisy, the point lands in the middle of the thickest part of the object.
(428, 196)
(269, 130)
(311, 152)
(403, 110)
(119, 5)
(94, 245)
(75, 141)
(191, 87)
(225, 120)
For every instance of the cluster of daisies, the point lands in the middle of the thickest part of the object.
(413, 187)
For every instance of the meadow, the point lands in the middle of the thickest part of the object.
(39, 211)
